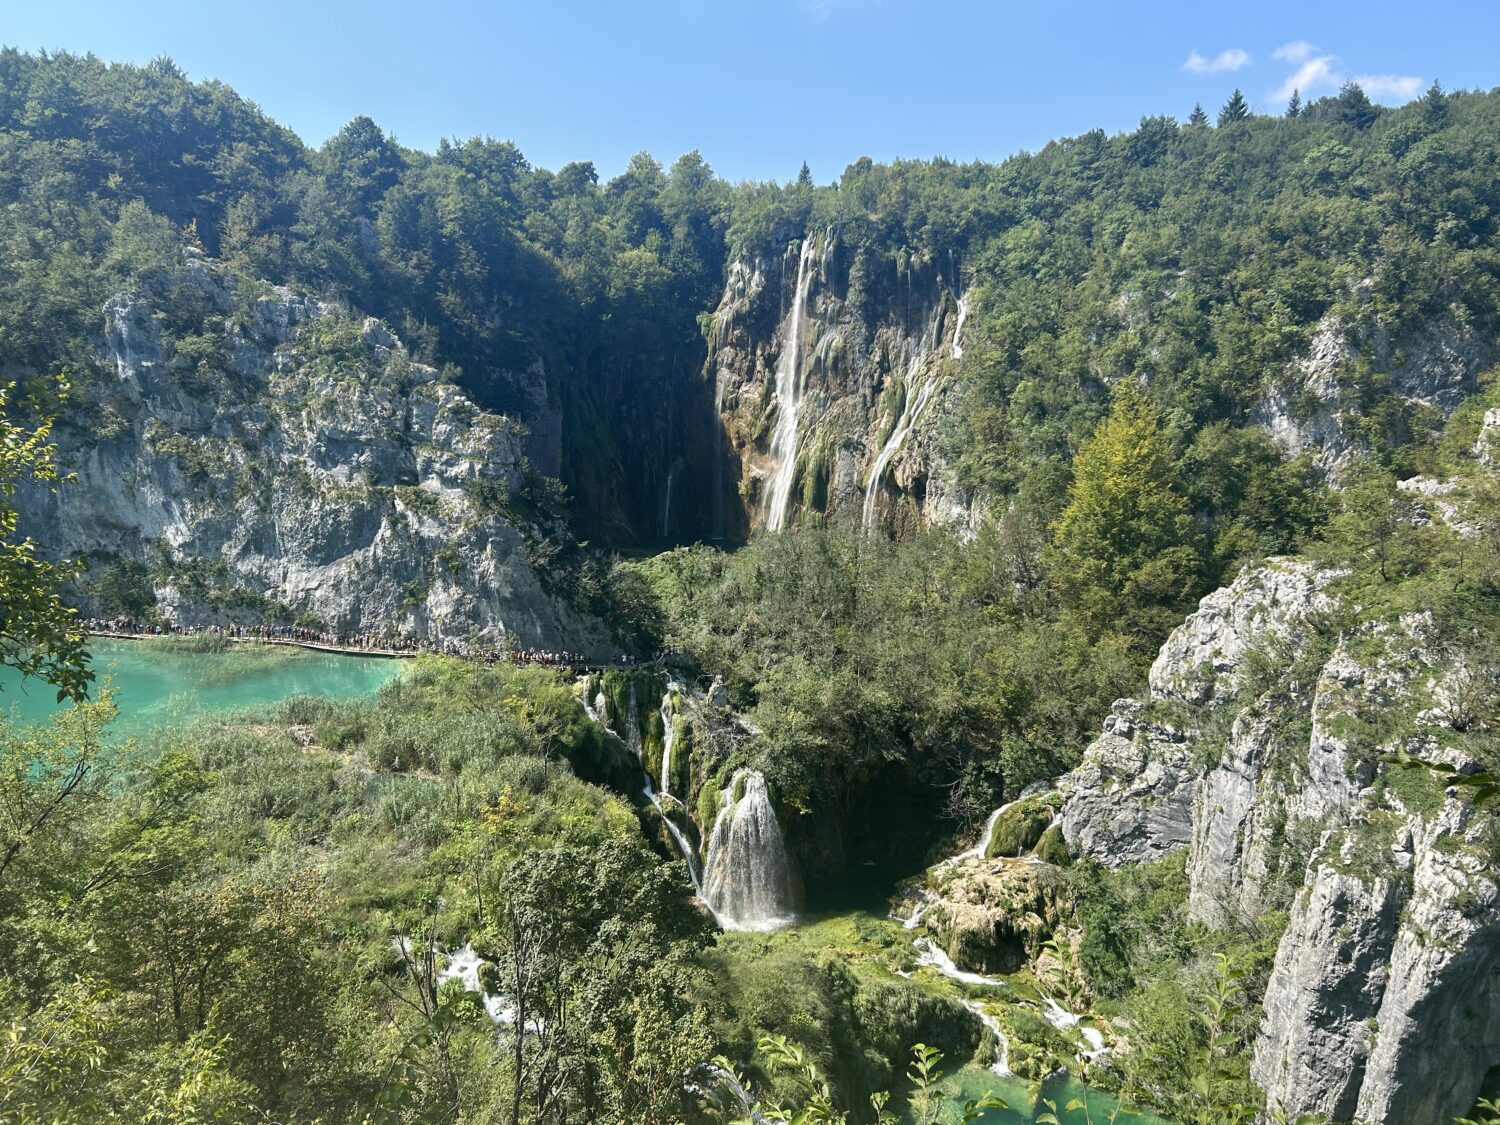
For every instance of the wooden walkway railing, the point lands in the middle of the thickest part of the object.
(352, 650)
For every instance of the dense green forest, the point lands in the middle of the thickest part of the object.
(250, 920)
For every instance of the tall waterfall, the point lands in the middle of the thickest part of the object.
(666, 507)
(958, 327)
(748, 881)
(668, 735)
(789, 387)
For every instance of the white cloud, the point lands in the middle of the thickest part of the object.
(1232, 59)
(1298, 50)
(1389, 87)
(821, 9)
(1314, 73)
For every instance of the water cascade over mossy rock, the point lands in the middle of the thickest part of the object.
(1021, 824)
(749, 879)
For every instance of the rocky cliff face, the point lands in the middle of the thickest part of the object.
(1311, 407)
(1260, 752)
(271, 456)
(833, 376)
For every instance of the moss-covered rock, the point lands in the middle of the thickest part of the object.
(1018, 829)
(1053, 848)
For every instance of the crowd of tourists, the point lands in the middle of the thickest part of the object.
(347, 642)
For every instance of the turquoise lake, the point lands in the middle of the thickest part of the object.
(156, 686)
(1026, 1100)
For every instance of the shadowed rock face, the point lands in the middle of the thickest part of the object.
(305, 463)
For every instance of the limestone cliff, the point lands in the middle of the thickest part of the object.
(245, 453)
(1314, 405)
(834, 375)
(1262, 751)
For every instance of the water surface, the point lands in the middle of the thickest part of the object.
(156, 685)
(1025, 1099)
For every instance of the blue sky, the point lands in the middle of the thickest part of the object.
(758, 87)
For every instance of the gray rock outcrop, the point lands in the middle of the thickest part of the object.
(1306, 411)
(1131, 800)
(288, 460)
(1260, 752)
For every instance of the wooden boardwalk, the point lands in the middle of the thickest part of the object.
(349, 650)
(316, 646)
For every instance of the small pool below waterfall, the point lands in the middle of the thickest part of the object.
(865, 887)
(160, 685)
(1025, 1099)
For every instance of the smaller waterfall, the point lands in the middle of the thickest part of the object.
(597, 712)
(958, 327)
(917, 400)
(679, 837)
(1064, 1020)
(1002, 1041)
(666, 507)
(633, 726)
(668, 734)
(790, 380)
(983, 845)
(748, 881)
(930, 953)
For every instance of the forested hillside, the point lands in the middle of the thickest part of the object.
(912, 474)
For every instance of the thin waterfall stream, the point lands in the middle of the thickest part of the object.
(790, 383)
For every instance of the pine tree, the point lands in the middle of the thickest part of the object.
(1294, 107)
(1198, 117)
(1354, 106)
(1235, 109)
(1434, 103)
(804, 177)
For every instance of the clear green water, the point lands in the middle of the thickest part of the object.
(1025, 1099)
(157, 687)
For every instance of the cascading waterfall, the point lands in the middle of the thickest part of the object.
(1001, 1065)
(748, 881)
(597, 711)
(911, 413)
(893, 444)
(789, 388)
(668, 735)
(679, 837)
(633, 727)
(912, 410)
(930, 953)
(1064, 1020)
(958, 326)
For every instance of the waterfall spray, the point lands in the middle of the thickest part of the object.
(789, 387)
(748, 880)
